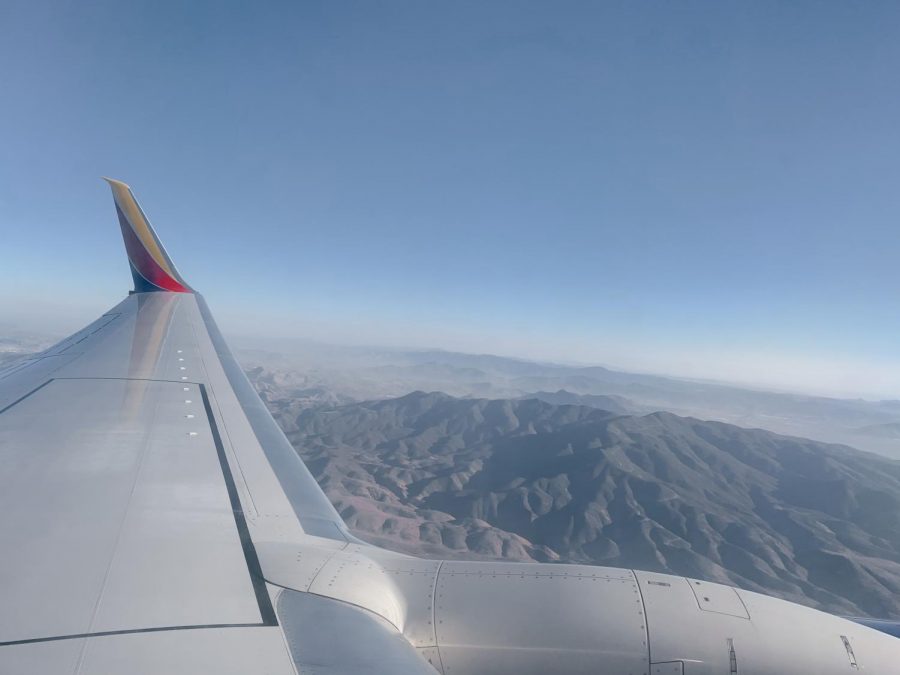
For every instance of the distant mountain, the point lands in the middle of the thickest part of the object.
(615, 404)
(290, 392)
(890, 430)
(525, 479)
(366, 374)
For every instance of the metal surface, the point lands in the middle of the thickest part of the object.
(135, 491)
(116, 511)
(219, 651)
(520, 618)
(327, 637)
(775, 636)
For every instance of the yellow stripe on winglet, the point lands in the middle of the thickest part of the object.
(126, 202)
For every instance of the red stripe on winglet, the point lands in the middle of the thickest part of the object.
(143, 262)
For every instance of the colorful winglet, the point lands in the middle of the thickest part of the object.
(151, 266)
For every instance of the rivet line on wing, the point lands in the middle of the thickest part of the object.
(187, 401)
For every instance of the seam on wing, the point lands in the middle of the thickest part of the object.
(266, 608)
(437, 578)
(637, 583)
(129, 379)
(115, 548)
(322, 567)
(22, 398)
(437, 647)
(129, 631)
(224, 426)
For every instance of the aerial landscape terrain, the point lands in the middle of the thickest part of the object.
(448, 455)
(452, 455)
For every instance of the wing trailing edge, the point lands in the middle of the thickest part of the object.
(151, 266)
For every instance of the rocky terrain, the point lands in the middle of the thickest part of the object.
(529, 480)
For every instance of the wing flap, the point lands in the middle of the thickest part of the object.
(116, 513)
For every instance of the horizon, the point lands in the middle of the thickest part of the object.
(705, 192)
(286, 346)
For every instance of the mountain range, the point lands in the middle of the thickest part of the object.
(526, 479)
(367, 374)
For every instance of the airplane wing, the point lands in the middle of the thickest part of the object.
(155, 519)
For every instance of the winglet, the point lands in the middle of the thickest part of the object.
(151, 266)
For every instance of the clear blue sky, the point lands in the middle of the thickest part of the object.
(705, 188)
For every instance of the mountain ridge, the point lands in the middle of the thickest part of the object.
(371, 374)
(523, 479)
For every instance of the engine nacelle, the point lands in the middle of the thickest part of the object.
(493, 618)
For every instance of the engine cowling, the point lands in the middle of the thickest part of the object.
(496, 618)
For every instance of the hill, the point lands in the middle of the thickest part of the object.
(528, 480)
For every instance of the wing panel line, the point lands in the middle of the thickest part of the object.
(299, 486)
(22, 398)
(127, 631)
(266, 610)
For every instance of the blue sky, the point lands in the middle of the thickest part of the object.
(696, 188)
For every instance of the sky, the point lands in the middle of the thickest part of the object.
(706, 189)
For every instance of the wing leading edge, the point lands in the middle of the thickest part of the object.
(156, 520)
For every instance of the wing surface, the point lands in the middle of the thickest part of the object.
(138, 470)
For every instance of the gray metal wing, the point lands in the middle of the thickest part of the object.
(154, 519)
(139, 469)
